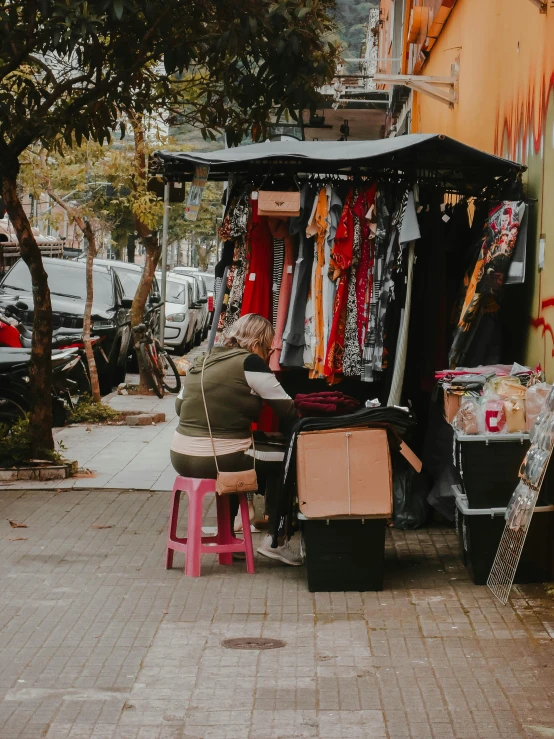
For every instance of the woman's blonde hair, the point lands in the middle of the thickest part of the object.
(248, 331)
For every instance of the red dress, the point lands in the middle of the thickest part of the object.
(257, 289)
(341, 259)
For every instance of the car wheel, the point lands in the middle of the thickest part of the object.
(181, 349)
(198, 338)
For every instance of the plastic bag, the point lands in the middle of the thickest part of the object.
(410, 507)
(514, 410)
(520, 508)
(469, 417)
(183, 365)
(495, 419)
(535, 402)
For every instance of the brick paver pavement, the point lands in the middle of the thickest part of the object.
(98, 641)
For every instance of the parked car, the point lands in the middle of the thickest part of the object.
(209, 279)
(200, 297)
(182, 314)
(67, 283)
(129, 275)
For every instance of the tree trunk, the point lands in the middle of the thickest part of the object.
(149, 240)
(93, 372)
(87, 231)
(40, 369)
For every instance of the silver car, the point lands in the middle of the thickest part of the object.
(200, 297)
(181, 313)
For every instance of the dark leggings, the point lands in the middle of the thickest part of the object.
(204, 467)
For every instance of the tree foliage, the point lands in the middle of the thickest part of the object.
(352, 17)
(70, 68)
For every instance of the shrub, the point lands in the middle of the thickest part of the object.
(88, 410)
(15, 447)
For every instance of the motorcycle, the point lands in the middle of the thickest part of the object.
(15, 398)
(14, 334)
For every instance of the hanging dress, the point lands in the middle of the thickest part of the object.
(292, 354)
(379, 222)
(317, 225)
(279, 227)
(341, 259)
(257, 288)
(329, 287)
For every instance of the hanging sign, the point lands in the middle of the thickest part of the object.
(195, 193)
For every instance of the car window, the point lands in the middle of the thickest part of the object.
(129, 280)
(202, 285)
(209, 280)
(64, 281)
(176, 292)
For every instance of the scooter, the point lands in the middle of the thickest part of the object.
(15, 398)
(14, 334)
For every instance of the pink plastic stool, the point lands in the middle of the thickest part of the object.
(223, 543)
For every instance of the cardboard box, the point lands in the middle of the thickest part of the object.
(344, 472)
(452, 404)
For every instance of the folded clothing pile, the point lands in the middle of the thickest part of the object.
(326, 403)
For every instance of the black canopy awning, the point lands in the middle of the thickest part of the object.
(415, 156)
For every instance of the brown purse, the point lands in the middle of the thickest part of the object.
(272, 203)
(230, 483)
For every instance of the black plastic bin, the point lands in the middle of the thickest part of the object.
(479, 534)
(489, 469)
(344, 554)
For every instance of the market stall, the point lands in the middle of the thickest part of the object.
(360, 253)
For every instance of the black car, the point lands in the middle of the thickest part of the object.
(129, 275)
(67, 283)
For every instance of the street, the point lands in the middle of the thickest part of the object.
(98, 641)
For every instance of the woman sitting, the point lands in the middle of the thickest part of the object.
(237, 380)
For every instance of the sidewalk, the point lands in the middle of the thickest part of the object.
(99, 641)
(131, 457)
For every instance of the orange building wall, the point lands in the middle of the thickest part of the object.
(506, 106)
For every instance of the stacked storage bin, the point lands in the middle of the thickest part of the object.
(345, 496)
(488, 466)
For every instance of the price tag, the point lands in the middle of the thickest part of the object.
(289, 269)
(252, 276)
(255, 195)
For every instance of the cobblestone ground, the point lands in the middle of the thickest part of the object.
(98, 641)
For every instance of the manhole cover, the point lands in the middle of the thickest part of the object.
(252, 642)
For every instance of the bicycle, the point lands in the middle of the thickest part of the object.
(158, 366)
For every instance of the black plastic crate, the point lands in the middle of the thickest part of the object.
(489, 470)
(479, 534)
(344, 554)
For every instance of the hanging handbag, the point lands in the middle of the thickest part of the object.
(229, 483)
(273, 203)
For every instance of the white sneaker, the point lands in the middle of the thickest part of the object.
(284, 553)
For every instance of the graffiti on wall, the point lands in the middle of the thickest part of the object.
(521, 135)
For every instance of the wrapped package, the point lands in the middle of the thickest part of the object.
(514, 411)
(535, 402)
(467, 418)
(495, 419)
(509, 387)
